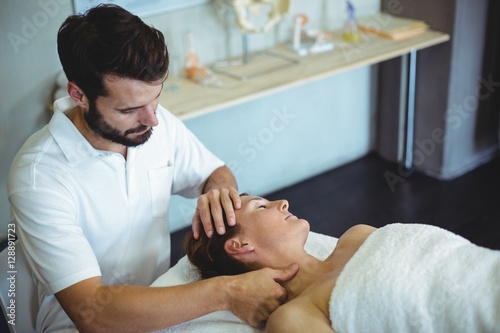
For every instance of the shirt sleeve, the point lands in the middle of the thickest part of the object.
(57, 251)
(193, 162)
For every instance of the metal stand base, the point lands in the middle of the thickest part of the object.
(243, 68)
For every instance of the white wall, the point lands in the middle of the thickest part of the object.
(274, 142)
(330, 123)
(28, 65)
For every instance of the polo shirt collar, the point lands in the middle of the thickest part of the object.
(72, 143)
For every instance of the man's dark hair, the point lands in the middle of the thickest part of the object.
(107, 39)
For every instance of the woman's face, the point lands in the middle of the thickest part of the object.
(270, 228)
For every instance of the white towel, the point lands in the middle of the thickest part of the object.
(183, 272)
(418, 278)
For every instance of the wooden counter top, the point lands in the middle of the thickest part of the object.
(193, 100)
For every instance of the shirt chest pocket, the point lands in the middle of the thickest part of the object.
(160, 184)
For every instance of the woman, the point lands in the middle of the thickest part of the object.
(400, 278)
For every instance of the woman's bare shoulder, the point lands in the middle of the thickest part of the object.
(356, 235)
(349, 243)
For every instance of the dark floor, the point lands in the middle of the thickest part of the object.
(360, 193)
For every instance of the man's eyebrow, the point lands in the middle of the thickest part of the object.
(138, 107)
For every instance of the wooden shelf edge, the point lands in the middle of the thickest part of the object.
(193, 100)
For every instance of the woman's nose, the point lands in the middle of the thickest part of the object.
(283, 205)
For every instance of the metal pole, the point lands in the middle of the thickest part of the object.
(246, 53)
(410, 109)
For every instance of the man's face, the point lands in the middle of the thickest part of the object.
(127, 115)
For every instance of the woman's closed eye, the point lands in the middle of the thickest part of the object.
(258, 203)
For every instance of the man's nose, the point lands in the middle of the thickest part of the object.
(148, 116)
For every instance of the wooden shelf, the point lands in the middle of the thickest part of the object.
(193, 100)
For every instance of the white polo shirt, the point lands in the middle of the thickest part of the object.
(82, 212)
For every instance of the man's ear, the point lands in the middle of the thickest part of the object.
(235, 246)
(78, 96)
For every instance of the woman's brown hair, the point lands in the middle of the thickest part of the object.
(209, 255)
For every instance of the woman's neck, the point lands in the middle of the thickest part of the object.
(310, 270)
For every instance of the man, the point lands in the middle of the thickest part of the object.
(90, 192)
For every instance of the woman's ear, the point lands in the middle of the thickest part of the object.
(235, 246)
(78, 96)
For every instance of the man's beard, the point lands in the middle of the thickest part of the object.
(99, 126)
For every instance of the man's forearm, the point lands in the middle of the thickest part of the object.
(144, 309)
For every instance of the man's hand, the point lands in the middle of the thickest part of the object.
(211, 208)
(255, 295)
